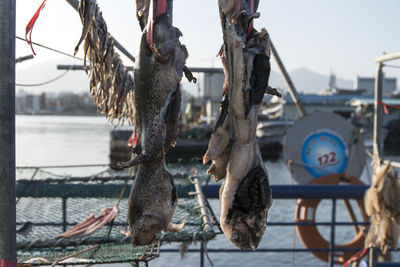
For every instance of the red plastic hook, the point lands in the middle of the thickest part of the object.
(161, 8)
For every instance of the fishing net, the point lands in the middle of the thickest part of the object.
(49, 204)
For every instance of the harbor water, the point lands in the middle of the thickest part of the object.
(79, 140)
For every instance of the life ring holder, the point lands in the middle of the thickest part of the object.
(311, 237)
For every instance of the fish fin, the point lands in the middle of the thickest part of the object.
(189, 75)
(175, 228)
(125, 233)
(273, 91)
(141, 158)
(218, 142)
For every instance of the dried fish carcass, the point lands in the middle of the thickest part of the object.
(155, 111)
(382, 202)
(245, 194)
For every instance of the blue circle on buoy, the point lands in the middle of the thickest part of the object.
(324, 153)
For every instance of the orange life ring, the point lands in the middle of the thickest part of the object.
(311, 237)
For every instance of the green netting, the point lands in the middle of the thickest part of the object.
(103, 254)
(50, 204)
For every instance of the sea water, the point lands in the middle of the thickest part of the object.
(81, 140)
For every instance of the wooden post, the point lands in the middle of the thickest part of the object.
(288, 81)
(378, 114)
(8, 253)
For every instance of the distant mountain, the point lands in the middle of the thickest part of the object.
(308, 81)
(28, 73)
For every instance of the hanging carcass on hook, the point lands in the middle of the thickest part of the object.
(158, 71)
(245, 195)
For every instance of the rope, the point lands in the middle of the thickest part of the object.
(117, 205)
(74, 254)
(95, 178)
(111, 224)
(43, 83)
(26, 186)
(49, 48)
(392, 66)
(62, 166)
(214, 217)
(207, 256)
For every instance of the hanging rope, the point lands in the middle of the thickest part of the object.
(51, 49)
(392, 66)
(43, 83)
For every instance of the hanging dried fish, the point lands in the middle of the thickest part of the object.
(157, 75)
(111, 85)
(382, 203)
(245, 194)
(158, 72)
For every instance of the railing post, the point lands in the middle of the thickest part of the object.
(8, 253)
(332, 244)
(64, 214)
(202, 254)
(378, 114)
(373, 257)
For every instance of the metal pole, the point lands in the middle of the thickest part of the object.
(373, 257)
(130, 68)
(202, 254)
(75, 5)
(332, 245)
(378, 114)
(64, 214)
(288, 81)
(8, 253)
(352, 215)
(204, 216)
(170, 9)
(200, 199)
(388, 57)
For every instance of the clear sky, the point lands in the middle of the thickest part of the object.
(343, 36)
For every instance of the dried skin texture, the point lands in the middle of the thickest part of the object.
(382, 203)
(245, 195)
(157, 76)
(151, 203)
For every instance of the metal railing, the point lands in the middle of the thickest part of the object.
(332, 192)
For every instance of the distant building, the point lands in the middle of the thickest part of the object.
(368, 84)
(32, 103)
(342, 91)
(212, 84)
(315, 103)
(212, 94)
(334, 90)
(42, 101)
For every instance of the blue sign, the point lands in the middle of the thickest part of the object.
(324, 153)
